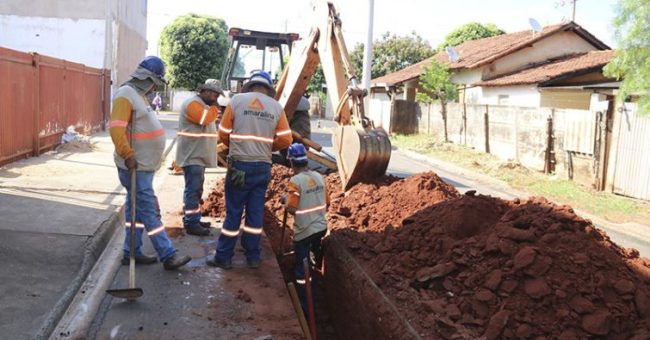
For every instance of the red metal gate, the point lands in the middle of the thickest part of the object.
(41, 96)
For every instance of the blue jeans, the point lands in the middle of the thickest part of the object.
(194, 178)
(302, 249)
(147, 215)
(250, 196)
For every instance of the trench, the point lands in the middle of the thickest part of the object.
(412, 258)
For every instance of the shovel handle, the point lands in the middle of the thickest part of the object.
(134, 189)
(284, 227)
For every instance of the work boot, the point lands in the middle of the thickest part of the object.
(206, 225)
(176, 262)
(253, 264)
(140, 259)
(197, 229)
(219, 264)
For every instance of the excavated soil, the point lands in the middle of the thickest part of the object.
(467, 266)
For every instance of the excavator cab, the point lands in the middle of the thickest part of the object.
(254, 50)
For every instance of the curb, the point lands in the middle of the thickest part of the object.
(78, 318)
(93, 249)
(77, 315)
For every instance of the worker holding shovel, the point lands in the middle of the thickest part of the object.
(132, 119)
(307, 200)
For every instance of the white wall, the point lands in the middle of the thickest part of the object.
(78, 40)
(557, 45)
(526, 96)
(379, 110)
(177, 98)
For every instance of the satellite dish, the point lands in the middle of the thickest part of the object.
(535, 25)
(453, 55)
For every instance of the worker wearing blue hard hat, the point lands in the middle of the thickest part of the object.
(139, 141)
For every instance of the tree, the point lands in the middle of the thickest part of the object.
(632, 60)
(194, 47)
(392, 53)
(437, 86)
(316, 82)
(470, 31)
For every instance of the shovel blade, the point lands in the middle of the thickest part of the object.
(127, 293)
(361, 155)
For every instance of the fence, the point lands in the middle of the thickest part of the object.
(41, 96)
(551, 140)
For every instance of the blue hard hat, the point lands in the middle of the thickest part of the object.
(297, 152)
(259, 78)
(155, 65)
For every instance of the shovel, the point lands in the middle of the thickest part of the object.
(133, 292)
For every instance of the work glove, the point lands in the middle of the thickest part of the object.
(236, 177)
(131, 163)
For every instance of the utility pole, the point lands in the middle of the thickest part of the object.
(367, 53)
(573, 15)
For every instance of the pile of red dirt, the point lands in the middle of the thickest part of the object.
(215, 204)
(476, 266)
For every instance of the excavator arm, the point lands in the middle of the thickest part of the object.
(362, 151)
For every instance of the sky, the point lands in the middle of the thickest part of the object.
(431, 19)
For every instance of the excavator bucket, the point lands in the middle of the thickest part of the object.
(361, 155)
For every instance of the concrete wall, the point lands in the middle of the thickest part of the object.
(526, 95)
(379, 110)
(177, 97)
(99, 33)
(516, 134)
(557, 45)
(78, 40)
(70, 9)
(567, 99)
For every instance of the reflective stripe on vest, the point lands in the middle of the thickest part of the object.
(311, 210)
(251, 138)
(197, 135)
(148, 134)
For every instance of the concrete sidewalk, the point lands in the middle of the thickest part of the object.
(58, 211)
(197, 301)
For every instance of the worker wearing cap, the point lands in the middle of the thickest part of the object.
(307, 200)
(197, 150)
(130, 106)
(253, 125)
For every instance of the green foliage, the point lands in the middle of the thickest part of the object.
(436, 84)
(632, 61)
(470, 31)
(315, 84)
(392, 53)
(194, 47)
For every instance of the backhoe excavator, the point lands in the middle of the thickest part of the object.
(361, 151)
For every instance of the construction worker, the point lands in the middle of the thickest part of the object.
(253, 125)
(307, 200)
(197, 150)
(130, 106)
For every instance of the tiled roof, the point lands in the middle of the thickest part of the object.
(479, 52)
(552, 69)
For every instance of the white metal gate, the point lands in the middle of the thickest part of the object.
(632, 173)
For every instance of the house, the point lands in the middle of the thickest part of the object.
(542, 69)
(108, 34)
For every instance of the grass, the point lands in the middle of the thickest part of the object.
(606, 205)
